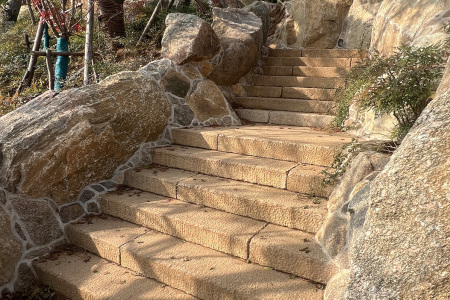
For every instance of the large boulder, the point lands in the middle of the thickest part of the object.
(404, 22)
(261, 9)
(241, 36)
(311, 24)
(188, 38)
(10, 249)
(60, 142)
(403, 250)
(357, 31)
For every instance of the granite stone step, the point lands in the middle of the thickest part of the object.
(83, 275)
(297, 81)
(334, 53)
(297, 105)
(287, 118)
(225, 232)
(194, 269)
(308, 61)
(298, 144)
(281, 207)
(290, 92)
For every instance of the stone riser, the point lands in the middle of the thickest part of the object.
(281, 207)
(199, 271)
(297, 81)
(287, 118)
(294, 105)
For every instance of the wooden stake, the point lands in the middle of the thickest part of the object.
(51, 73)
(30, 10)
(88, 43)
(151, 21)
(28, 77)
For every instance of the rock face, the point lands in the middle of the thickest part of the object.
(311, 24)
(241, 36)
(10, 249)
(207, 101)
(357, 31)
(403, 250)
(408, 22)
(261, 9)
(59, 143)
(188, 38)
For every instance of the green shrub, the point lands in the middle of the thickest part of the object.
(401, 85)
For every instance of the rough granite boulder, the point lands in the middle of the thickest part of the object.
(188, 38)
(241, 36)
(405, 22)
(261, 9)
(357, 31)
(207, 101)
(311, 24)
(10, 249)
(403, 250)
(60, 142)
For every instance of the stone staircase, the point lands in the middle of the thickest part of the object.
(223, 213)
(297, 87)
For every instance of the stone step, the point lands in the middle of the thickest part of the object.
(298, 105)
(263, 171)
(194, 269)
(225, 232)
(281, 207)
(305, 71)
(308, 93)
(297, 81)
(308, 61)
(298, 144)
(290, 92)
(211, 228)
(82, 275)
(285, 118)
(331, 53)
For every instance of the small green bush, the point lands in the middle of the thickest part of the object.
(402, 85)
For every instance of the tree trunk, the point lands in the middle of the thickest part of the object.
(112, 17)
(11, 10)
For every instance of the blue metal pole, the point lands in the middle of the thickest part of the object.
(62, 63)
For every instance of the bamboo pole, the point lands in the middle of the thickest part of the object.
(151, 21)
(51, 73)
(88, 43)
(58, 53)
(30, 10)
(28, 77)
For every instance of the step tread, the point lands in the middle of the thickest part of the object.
(82, 275)
(212, 228)
(298, 144)
(282, 207)
(202, 272)
(259, 170)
